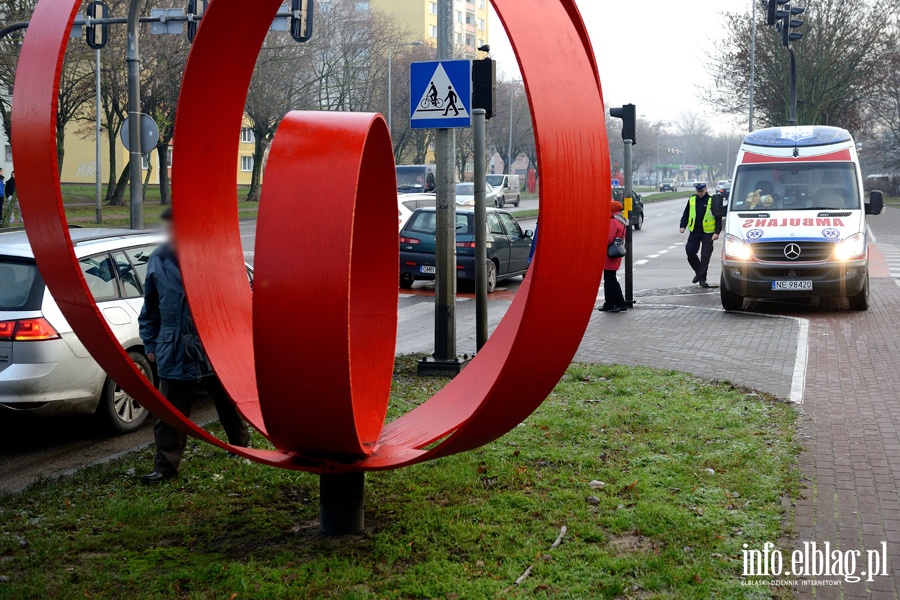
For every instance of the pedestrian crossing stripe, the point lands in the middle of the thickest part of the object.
(441, 94)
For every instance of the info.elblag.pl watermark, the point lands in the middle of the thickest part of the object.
(814, 560)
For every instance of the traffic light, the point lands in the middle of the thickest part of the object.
(302, 20)
(196, 10)
(484, 88)
(628, 114)
(96, 35)
(782, 15)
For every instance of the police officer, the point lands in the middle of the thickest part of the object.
(171, 341)
(704, 226)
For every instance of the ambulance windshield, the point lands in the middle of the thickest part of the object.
(811, 186)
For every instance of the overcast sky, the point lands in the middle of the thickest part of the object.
(643, 44)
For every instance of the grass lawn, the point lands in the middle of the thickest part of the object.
(892, 201)
(667, 196)
(690, 471)
(80, 208)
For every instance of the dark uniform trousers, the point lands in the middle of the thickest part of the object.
(703, 243)
(170, 442)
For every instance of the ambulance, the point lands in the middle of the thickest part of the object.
(796, 219)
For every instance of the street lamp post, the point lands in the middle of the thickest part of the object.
(512, 98)
(390, 98)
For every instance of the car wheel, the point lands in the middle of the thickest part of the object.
(406, 281)
(639, 222)
(117, 408)
(501, 202)
(518, 201)
(730, 300)
(491, 277)
(860, 301)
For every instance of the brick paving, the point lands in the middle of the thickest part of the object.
(850, 415)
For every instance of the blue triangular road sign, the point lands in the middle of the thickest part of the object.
(441, 94)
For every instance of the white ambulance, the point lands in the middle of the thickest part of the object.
(796, 225)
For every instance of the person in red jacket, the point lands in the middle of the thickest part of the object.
(614, 301)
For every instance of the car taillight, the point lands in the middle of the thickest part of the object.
(470, 245)
(406, 240)
(27, 330)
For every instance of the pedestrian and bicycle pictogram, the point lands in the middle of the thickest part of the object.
(441, 93)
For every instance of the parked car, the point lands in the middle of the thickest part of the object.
(465, 195)
(688, 185)
(508, 247)
(668, 185)
(408, 203)
(509, 187)
(45, 370)
(637, 206)
(723, 187)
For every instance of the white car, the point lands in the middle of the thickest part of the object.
(45, 370)
(465, 195)
(408, 203)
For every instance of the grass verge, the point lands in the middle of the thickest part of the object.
(690, 471)
(667, 196)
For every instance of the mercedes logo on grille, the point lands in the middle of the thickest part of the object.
(792, 251)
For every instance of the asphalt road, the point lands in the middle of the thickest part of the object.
(32, 450)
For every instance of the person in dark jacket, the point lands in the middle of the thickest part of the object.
(614, 300)
(11, 185)
(704, 225)
(171, 341)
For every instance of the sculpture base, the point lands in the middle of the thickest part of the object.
(341, 504)
(432, 367)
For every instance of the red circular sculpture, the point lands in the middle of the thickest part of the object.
(281, 351)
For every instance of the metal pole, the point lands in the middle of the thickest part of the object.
(132, 60)
(629, 230)
(481, 293)
(445, 360)
(512, 98)
(658, 166)
(341, 503)
(390, 106)
(793, 118)
(752, 62)
(97, 169)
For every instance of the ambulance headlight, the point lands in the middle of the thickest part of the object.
(736, 248)
(853, 247)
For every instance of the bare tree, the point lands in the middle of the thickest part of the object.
(841, 60)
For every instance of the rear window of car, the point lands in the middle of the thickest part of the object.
(21, 286)
(426, 222)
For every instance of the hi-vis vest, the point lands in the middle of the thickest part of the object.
(709, 219)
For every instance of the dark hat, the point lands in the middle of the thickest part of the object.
(166, 214)
(700, 186)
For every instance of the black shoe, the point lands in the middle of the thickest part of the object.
(603, 308)
(695, 279)
(157, 477)
(703, 283)
(618, 309)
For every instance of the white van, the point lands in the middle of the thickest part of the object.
(796, 224)
(509, 189)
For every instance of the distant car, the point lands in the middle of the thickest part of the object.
(668, 185)
(45, 370)
(637, 208)
(688, 185)
(723, 187)
(509, 188)
(415, 179)
(408, 203)
(508, 247)
(465, 195)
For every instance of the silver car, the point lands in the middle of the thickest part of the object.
(44, 369)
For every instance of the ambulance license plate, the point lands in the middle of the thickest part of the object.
(428, 270)
(792, 286)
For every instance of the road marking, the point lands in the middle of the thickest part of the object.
(664, 251)
(653, 256)
(871, 234)
(642, 262)
(406, 295)
(798, 382)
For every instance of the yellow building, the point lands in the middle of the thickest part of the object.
(470, 20)
(80, 163)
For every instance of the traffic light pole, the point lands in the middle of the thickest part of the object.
(481, 320)
(629, 229)
(133, 62)
(793, 118)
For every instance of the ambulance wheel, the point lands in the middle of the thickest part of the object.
(730, 300)
(860, 301)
